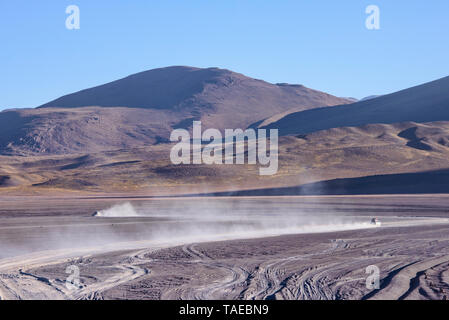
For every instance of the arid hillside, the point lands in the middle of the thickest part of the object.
(349, 152)
(142, 109)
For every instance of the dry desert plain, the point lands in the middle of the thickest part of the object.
(288, 247)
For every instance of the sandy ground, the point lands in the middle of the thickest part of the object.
(227, 248)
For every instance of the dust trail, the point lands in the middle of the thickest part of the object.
(171, 221)
(196, 221)
(121, 210)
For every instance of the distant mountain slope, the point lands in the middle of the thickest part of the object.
(424, 103)
(163, 88)
(371, 97)
(90, 129)
(143, 108)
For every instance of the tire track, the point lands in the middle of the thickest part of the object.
(220, 288)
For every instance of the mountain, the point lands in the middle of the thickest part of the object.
(212, 95)
(143, 108)
(370, 97)
(424, 103)
(378, 145)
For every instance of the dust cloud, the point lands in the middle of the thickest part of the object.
(172, 222)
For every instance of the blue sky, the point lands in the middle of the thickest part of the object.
(321, 44)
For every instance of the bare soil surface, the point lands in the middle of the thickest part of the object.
(225, 248)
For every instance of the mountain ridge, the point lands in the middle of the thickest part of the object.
(143, 108)
(427, 102)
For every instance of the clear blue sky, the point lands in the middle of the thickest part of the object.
(321, 44)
